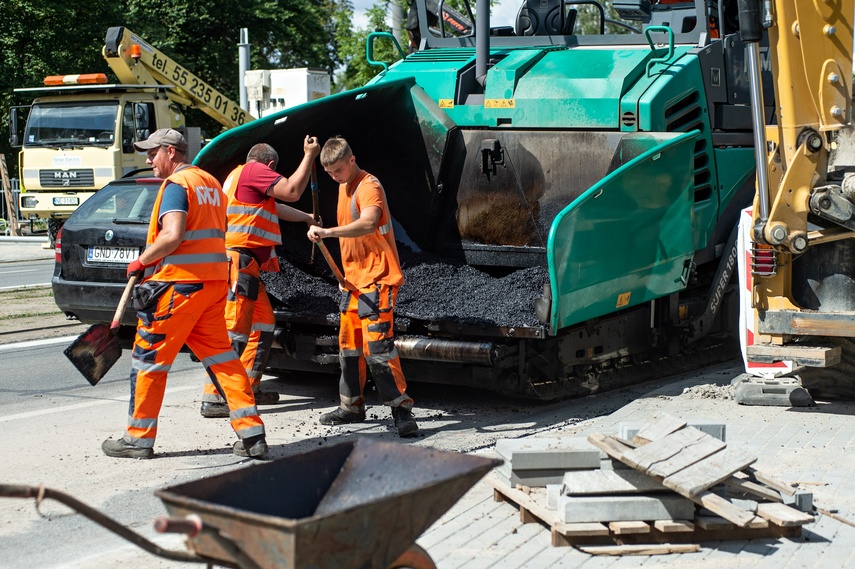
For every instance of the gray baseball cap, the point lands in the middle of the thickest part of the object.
(163, 137)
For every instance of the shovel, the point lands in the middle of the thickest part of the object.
(95, 351)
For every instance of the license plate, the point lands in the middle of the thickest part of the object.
(112, 254)
(66, 201)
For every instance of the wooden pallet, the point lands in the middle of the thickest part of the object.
(769, 523)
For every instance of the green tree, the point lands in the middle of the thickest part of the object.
(36, 42)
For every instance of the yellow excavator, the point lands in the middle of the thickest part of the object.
(798, 239)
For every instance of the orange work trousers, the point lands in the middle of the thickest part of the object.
(366, 339)
(192, 314)
(249, 319)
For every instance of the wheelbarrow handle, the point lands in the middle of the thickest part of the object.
(189, 525)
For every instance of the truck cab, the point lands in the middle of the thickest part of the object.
(78, 137)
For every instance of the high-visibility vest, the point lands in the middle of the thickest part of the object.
(251, 225)
(202, 254)
(373, 258)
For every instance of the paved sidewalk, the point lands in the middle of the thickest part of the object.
(812, 446)
(24, 249)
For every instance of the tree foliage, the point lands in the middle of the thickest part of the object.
(45, 37)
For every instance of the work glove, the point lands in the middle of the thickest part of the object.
(135, 267)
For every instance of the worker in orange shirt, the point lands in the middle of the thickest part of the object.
(253, 232)
(371, 268)
(182, 301)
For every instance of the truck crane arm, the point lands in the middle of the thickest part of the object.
(135, 61)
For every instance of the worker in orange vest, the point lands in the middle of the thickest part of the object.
(253, 232)
(371, 267)
(182, 301)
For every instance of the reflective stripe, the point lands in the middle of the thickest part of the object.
(194, 259)
(351, 353)
(151, 368)
(142, 423)
(219, 358)
(263, 327)
(384, 229)
(256, 231)
(250, 432)
(243, 413)
(400, 399)
(199, 234)
(247, 210)
(138, 442)
(242, 338)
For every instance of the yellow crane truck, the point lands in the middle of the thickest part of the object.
(80, 130)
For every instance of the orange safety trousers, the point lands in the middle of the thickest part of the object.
(367, 341)
(249, 319)
(191, 314)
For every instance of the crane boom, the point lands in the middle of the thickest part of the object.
(135, 61)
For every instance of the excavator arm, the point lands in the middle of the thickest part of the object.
(803, 218)
(134, 61)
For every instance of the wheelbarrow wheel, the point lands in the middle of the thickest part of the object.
(413, 558)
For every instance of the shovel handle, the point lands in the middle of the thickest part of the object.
(123, 302)
(333, 267)
(316, 208)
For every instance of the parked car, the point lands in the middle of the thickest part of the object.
(95, 245)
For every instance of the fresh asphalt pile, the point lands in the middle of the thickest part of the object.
(436, 289)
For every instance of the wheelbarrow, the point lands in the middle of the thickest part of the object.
(358, 504)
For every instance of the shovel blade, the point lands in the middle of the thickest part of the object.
(94, 352)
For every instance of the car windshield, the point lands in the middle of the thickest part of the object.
(119, 203)
(71, 124)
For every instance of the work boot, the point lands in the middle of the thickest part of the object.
(265, 397)
(210, 409)
(404, 421)
(342, 416)
(121, 448)
(252, 447)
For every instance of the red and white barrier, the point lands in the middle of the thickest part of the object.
(747, 320)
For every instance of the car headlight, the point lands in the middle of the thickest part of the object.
(29, 201)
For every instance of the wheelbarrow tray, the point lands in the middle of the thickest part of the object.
(358, 504)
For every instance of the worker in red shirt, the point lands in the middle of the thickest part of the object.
(372, 270)
(182, 300)
(253, 233)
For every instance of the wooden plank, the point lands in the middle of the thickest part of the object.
(723, 508)
(772, 482)
(584, 482)
(526, 517)
(712, 523)
(640, 549)
(715, 503)
(660, 426)
(757, 523)
(623, 528)
(710, 471)
(610, 445)
(536, 510)
(753, 488)
(783, 515)
(674, 526)
(582, 529)
(11, 206)
(673, 452)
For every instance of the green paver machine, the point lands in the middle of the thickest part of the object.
(613, 148)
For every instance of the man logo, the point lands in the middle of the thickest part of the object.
(109, 235)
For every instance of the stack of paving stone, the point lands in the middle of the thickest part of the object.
(583, 484)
